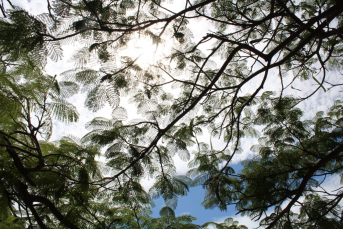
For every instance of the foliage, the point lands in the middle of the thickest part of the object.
(228, 223)
(293, 159)
(218, 85)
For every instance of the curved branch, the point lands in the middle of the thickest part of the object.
(331, 155)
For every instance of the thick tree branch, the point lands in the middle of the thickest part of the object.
(330, 156)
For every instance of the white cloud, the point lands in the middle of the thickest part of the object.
(181, 165)
(35, 7)
(331, 183)
(147, 183)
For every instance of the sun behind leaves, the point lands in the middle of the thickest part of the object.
(212, 84)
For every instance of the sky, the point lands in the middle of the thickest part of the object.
(190, 204)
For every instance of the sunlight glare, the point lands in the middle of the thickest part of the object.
(144, 51)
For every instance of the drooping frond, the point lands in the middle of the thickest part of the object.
(63, 111)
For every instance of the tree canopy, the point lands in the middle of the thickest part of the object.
(210, 81)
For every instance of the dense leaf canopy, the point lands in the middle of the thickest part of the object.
(201, 86)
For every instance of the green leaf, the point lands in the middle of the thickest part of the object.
(167, 211)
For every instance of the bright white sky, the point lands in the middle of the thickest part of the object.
(318, 102)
